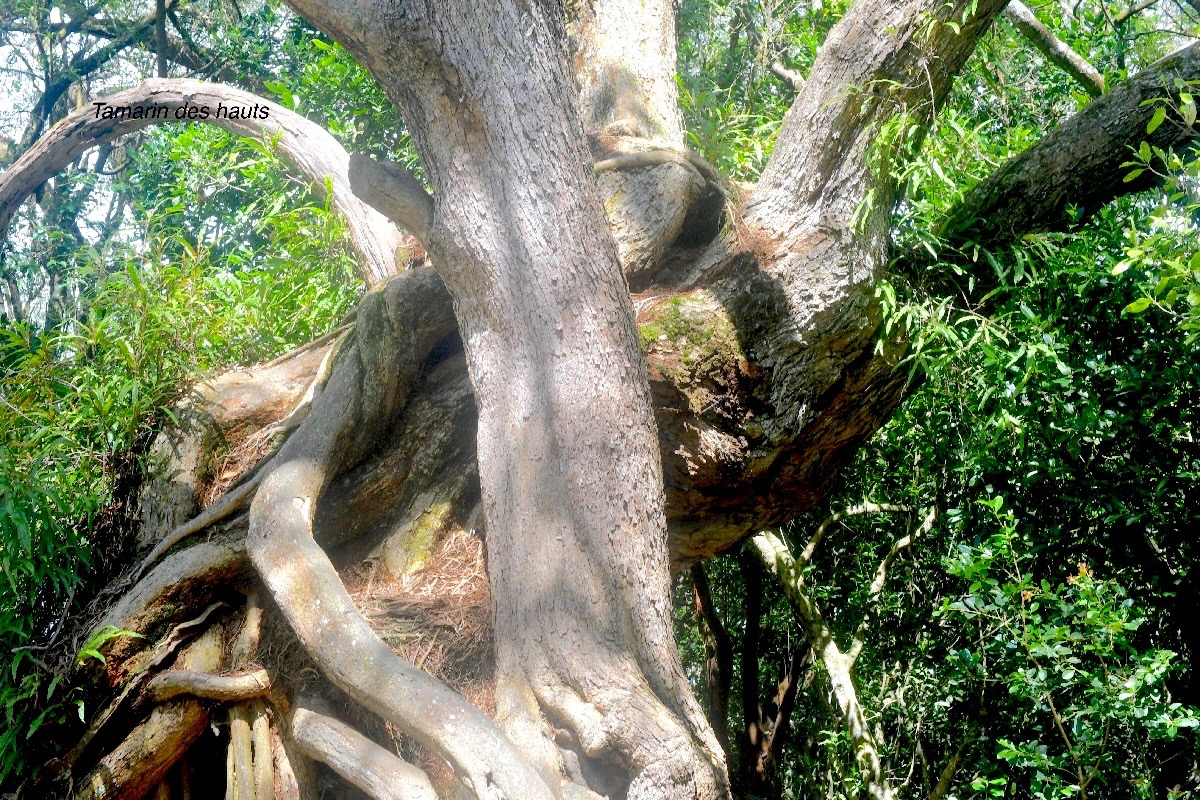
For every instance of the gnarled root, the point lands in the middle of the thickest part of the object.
(140, 762)
(360, 761)
(363, 391)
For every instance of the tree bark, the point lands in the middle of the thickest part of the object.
(586, 501)
(550, 340)
(1078, 164)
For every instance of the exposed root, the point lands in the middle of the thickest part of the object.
(245, 645)
(239, 774)
(164, 650)
(142, 760)
(356, 758)
(225, 688)
(180, 578)
(231, 503)
(660, 755)
(241, 495)
(362, 392)
(264, 762)
(250, 458)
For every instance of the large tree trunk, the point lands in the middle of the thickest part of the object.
(576, 543)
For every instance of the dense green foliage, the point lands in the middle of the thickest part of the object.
(205, 287)
(1040, 641)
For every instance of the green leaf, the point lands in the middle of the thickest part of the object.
(1137, 306)
(1156, 119)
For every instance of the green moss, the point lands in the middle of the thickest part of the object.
(695, 341)
(408, 551)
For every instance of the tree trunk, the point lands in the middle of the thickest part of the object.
(584, 638)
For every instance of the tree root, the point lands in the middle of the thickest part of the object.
(241, 496)
(142, 760)
(362, 392)
(164, 650)
(229, 504)
(225, 688)
(264, 761)
(239, 775)
(356, 758)
(181, 575)
(662, 756)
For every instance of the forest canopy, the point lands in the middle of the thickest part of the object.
(737, 399)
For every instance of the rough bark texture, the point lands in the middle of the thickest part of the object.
(1078, 164)
(624, 65)
(367, 383)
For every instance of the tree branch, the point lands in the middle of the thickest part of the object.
(1054, 48)
(882, 58)
(80, 67)
(1078, 164)
(876, 588)
(789, 76)
(390, 189)
(775, 556)
(862, 508)
(306, 145)
(719, 655)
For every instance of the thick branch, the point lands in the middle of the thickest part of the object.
(1076, 165)
(880, 60)
(625, 69)
(389, 188)
(356, 758)
(1054, 48)
(304, 144)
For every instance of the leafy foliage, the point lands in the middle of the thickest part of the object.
(206, 286)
